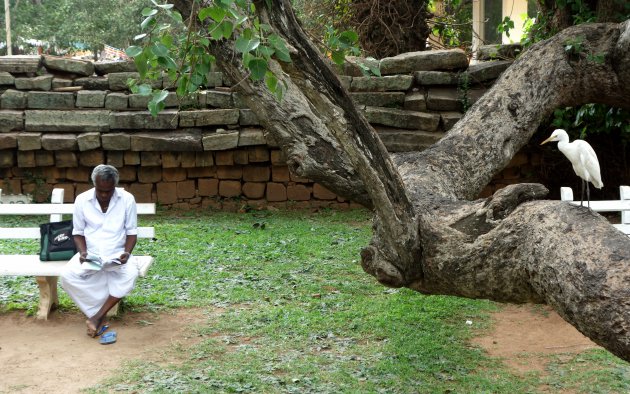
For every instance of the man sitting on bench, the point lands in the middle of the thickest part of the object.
(105, 225)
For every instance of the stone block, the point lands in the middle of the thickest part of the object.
(139, 101)
(8, 141)
(6, 79)
(141, 192)
(449, 119)
(29, 141)
(407, 140)
(402, 119)
(219, 99)
(221, 140)
(118, 80)
(167, 192)
(91, 98)
(254, 190)
(114, 66)
(92, 83)
(73, 66)
(204, 159)
(56, 142)
(50, 100)
(7, 158)
(66, 159)
(208, 117)
(486, 71)
(321, 193)
(381, 84)
(229, 172)
(132, 158)
(379, 99)
(208, 187)
(443, 99)
(149, 174)
(116, 141)
(139, 120)
(11, 120)
(44, 158)
(296, 178)
(238, 101)
(187, 159)
(116, 101)
(150, 159)
(276, 192)
(25, 159)
(499, 52)
(82, 187)
(13, 99)
(43, 82)
(229, 188)
(186, 189)
(21, 64)
(416, 101)
(67, 121)
(448, 59)
(61, 83)
(79, 174)
(127, 174)
(115, 158)
(258, 154)
(256, 173)
(240, 157)
(247, 117)
(184, 140)
(278, 157)
(214, 79)
(298, 193)
(92, 158)
(251, 136)
(173, 174)
(224, 158)
(89, 141)
(280, 174)
(433, 78)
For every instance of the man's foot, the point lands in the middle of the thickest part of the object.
(94, 326)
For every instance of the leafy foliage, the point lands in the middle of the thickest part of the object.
(453, 26)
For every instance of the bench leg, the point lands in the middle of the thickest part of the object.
(48, 299)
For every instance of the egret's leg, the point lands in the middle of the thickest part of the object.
(582, 195)
(588, 196)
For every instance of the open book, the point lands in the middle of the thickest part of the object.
(95, 262)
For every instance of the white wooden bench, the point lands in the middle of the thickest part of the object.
(622, 205)
(47, 272)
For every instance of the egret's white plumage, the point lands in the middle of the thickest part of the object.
(582, 157)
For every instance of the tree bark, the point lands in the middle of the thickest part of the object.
(430, 234)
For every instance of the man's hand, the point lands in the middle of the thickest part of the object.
(124, 257)
(82, 257)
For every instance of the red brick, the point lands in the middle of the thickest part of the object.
(91, 158)
(115, 158)
(276, 192)
(82, 187)
(241, 157)
(278, 158)
(296, 178)
(167, 192)
(229, 188)
(79, 174)
(150, 159)
(229, 172)
(173, 174)
(208, 187)
(280, 174)
(11, 186)
(298, 193)
(44, 158)
(141, 191)
(131, 158)
(256, 173)
(64, 159)
(254, 190)
(186, 189)
(202, 172)
(258, 154)
(188, 159)
(68, 191)
(149, 174)
(127, 174)
(54, 174)
(26, 159)
(204, 159)
(171, 159)
(224, 158)
(321, 193)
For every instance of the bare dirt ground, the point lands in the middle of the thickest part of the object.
(57, 356)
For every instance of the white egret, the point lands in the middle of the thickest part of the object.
(583, 158)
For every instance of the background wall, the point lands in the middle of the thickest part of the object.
(60, 117)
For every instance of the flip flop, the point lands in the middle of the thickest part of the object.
(102, 330)
(108, 338)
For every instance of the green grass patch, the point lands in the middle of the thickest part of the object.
(301, 316)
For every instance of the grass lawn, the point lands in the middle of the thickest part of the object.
(301, 316)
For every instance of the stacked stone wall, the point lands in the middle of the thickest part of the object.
(60, 117)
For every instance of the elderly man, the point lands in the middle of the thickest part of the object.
(105, 224)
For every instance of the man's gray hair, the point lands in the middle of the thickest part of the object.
(106, 172)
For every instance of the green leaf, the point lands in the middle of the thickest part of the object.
(247, 57)
(339, 57)
(266, 51)
(149, 11)
(147, 22)
(271, 81)
(216, 13)
(133, 51)
(244, 45)
(140, 36)
(159, 96)
(155, 108)
(282, 52)
(227, 28)
(258, 67)
(348, 38)
(144, 89)
(216, 33)
(165, 6)
(158, 49)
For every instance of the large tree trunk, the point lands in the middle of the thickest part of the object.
(429, 233)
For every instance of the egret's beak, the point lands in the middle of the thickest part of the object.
(545, 141)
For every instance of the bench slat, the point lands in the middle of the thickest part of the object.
(30, 265)
(47, 209)
(33, 232)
